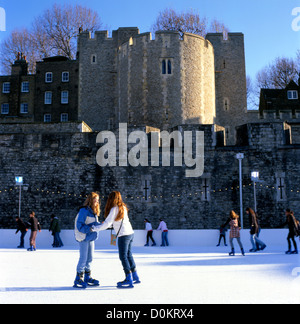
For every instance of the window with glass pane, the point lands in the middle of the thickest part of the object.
(47, 118)
(6, 87)
(5, 109)
(48, 98)
(25, 86)
(24, 108)
(65, 97)
(65, 77)
(64, 118)
(49, 77)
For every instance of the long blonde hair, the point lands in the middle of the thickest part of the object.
(89, 202)
(234, 215)
(115, 200)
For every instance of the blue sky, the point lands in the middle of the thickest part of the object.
(267, 24)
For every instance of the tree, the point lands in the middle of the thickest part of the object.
(186, 22)
(54, 32)
(278, 74)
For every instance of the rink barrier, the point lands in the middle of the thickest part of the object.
(201, 238)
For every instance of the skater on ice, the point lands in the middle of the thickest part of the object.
(257, 244)
(35, 226)
(164, 232)
(291, 222)
(149, 229)
(55, 229)
(223, 231)
(235, 228)
(116, 215)
(86, 218)
(21, 227)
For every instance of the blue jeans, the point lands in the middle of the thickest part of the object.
(255, 240)
(125, 254)
(86, 250)
(164, 239)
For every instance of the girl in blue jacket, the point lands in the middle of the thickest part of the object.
(86, 218)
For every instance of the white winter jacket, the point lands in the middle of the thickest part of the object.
(126, 228)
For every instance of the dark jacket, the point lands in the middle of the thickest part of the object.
(254, 227)
(292, 225)
(21, 226)
(54, 225)
(34, 224)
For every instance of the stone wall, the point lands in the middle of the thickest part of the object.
(60, 169)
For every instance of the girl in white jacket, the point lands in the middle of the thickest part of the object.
(116, 215)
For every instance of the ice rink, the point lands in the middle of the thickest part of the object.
(169, 275)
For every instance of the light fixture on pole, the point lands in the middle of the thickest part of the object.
(20, 183)
(240, 157)
(255, 178)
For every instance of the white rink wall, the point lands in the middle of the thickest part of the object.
(201, 238)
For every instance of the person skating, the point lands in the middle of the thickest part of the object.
(35, 227)
(254, 230)
(293, 231)
(164, 232)
(223, 231)
(23, 229)
(55, 229)
(86, 218)
(116, 215)
(235, 227)
(149, 229)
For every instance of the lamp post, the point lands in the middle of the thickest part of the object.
(19, 182)
(240, 157)
(255, 178)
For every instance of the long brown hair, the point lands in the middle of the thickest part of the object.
(115, 200)
(89, 202)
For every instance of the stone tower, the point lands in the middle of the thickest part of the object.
(166, 82)
(98, 68)
(231, 92)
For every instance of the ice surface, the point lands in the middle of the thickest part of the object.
(169, 275)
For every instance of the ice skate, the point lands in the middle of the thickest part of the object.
(135, 278)
(89, 280)
(232, 253)
(127, 283)
(79, 283)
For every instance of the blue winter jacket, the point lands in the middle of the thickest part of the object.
(83, 223)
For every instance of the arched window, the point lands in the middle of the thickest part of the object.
(163, 67)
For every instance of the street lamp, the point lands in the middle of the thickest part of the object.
(19, 182)
(255, 178)
(240, 157)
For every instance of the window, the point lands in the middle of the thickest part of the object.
(166, 66)
(226, 104)
(292, 94)
(205, 189)
(25, 86)
(64, 118)
(6, 87)
(5, 109)
(47, 118)
(49, 77)
(65, 77)
(24, 108)
(48, 98)
(65, 97)
(94, 59)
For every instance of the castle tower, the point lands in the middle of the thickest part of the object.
(166, 82)
(231, 92)
(97, 58)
